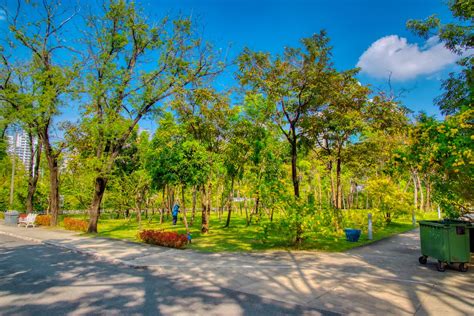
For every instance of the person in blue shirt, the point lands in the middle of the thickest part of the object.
(175, 212)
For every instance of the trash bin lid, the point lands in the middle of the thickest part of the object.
(12, 213)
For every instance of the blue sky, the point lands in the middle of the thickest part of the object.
(353, 26)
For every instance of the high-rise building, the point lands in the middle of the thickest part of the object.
(19, 143)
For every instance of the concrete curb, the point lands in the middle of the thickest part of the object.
(38, 241)
(80, 251)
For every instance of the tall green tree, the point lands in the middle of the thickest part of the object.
(236, 155)
(458, 37)
(334, 126)
(176, 160)
(266, 154)
(40, 79)
(204, 115)
(135, 67)
(444, 151)
(295, 84)
(445, 148)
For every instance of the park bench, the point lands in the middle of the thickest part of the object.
(28, 220)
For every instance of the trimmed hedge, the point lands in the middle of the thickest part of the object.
(75, 224)
(166, 239)
(43, 220)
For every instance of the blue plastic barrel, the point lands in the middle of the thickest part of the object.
(352, 235)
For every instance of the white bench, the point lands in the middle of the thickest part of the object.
(29, 220)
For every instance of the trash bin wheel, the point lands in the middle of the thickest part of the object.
(463, 267)
(422, 259)
(441, 266)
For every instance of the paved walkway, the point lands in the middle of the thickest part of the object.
(383, 278)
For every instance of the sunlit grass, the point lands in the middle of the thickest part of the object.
(240, 237)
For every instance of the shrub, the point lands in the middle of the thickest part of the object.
(75, 224)
(43, 220)
(2, 215)
(22, 215)
(166, 239)
(392, 201)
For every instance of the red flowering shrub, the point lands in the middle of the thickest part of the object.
(166, 239)
(43, 220)
(75, 224)
(22, 215)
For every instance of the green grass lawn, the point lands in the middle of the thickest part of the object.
(239, 237)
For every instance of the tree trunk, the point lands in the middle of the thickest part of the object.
(257, 205)
(33, 175)
(428, 195)
(329, 196)
(338, 184)
(415, 191)
(163, 205)
(337, 195)
(220, 201)
(312, 195)
(349, 197)
(294, 171)
(246, 206)
(343, 199)
(333, 191)
(94, 212)
(209, 199)
(183, 189)
(256, 209)
(351, 200)
(147, 204)
(240, 204)
(296, 185)
(229, 207)
(54, 191)
(204, 222)
(138, 205)
(420, 188)
(320, 192)
(170, 197)
(53, 178)
(357, 198)
(272, 210)
(193, 214)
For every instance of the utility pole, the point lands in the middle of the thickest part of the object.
(12, 183)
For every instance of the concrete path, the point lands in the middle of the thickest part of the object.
(383, 278)
(37, 279)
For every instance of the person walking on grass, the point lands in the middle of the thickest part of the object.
(175, 212)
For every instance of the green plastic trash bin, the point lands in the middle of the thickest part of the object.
(447, 241)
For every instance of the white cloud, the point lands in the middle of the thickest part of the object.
(393, 54)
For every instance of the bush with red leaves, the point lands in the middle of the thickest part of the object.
(75, 224)
(166, 239)
(43, 220)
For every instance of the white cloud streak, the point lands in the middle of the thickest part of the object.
(404, 61)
